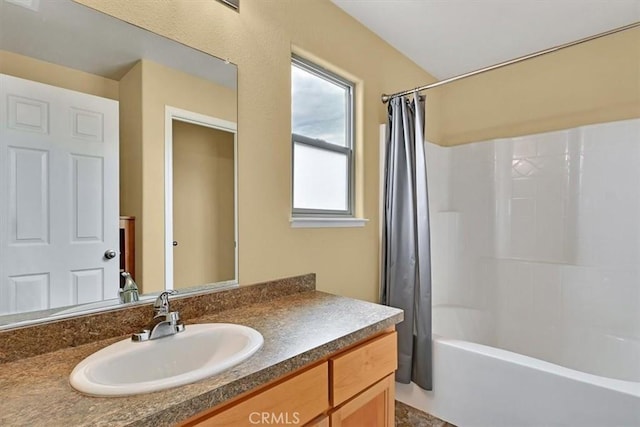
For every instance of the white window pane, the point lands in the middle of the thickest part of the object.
(319, 107)
(320, 179)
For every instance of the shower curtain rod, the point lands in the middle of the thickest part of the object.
(386, 98)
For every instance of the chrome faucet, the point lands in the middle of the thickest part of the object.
(167, 320)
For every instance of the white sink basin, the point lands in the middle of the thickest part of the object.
(128, 367)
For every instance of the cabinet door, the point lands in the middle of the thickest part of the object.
(294, 401)
(320, 422)
(375, 407)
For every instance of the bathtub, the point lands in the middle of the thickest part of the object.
(478, 385)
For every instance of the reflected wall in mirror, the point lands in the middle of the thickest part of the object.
(102, 124)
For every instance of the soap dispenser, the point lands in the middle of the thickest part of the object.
(129, 292)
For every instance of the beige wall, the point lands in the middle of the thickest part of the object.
(259, 40)
(594, 82)
(203, 205)
(56, 75)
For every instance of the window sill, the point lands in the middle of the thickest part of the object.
(318, 222)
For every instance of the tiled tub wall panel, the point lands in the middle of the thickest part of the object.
(542, 234)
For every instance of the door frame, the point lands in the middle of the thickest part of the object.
(171, 114)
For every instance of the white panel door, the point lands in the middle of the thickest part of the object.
(59, 196)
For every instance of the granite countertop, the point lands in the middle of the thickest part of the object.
(298, 329)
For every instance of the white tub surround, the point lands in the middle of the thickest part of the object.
(536, 253)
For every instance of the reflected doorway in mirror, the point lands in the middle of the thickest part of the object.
(200, 200)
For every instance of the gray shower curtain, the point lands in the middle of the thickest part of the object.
(406, 253)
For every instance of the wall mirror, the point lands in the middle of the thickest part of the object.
(118, 152)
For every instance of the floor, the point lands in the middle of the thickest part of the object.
(408, 416)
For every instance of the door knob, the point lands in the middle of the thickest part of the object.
(110, 254)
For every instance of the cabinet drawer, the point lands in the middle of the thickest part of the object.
(295, 401)
(358, 368)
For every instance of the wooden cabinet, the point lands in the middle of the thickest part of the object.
(323, 421)
(362, 384)
(294, 401)
(352, 388)
(354, 370)
(374, 407)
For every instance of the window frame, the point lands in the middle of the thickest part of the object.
(348, 149)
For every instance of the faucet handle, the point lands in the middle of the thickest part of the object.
(161, 306)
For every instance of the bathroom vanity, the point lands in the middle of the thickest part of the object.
(326, 360)
(352, 387)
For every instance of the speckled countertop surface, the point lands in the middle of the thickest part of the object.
(298, 329)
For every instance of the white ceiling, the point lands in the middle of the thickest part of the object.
(69, 34)
(452, 37)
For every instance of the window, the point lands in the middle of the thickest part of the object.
(322, 139)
